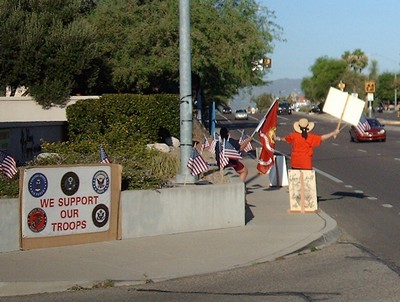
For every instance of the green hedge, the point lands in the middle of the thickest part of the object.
(116, 118)
(124, 125)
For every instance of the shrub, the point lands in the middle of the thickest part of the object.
(124, 125)
(8, 187)
(123, 117)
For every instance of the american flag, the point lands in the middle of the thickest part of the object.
(213, 144)
(196, 163)
(363, 124)
(103, 156)
(205, 144)
(243, 137)
(7, 165)
(223, 161)
(229, 151)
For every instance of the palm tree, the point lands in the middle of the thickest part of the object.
(357, 60)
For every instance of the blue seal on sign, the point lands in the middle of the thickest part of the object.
(38, 185)
(100, 182)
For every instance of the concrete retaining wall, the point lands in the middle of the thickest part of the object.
(183, 209)
(156, 212)
(9, 225)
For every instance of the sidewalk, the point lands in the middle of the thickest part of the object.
(271, 232)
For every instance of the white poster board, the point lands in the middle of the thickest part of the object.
(345, 107)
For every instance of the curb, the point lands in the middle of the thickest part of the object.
(329, 235)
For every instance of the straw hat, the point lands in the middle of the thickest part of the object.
(303, 123)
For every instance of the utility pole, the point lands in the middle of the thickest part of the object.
(185, 81)
(395, 91)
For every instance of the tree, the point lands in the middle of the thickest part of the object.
(326, 72)
(264, 102)
(385, 87)
(373, 70)
(49, 47)
(140, 41)
(357, 60)
(59, 47)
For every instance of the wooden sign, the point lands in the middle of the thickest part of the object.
(71, 204)
(302, 191)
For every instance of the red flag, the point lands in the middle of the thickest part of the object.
(266, 133)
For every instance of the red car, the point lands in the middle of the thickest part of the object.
(373, 131)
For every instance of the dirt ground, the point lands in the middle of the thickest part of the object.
(213, 175)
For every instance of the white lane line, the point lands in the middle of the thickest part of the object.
(372, 198)
(331, 177)
(348, 186)
(396, 158)
(359, 191)
(362, 150)
(387, 205)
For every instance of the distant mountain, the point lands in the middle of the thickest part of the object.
(278, 88)
(282, 87)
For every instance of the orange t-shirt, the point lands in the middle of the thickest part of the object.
(302, 149)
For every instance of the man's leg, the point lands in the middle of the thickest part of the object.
(243, 172)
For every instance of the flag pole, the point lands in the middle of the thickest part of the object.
(341, 117)
(278, 183)
(187, 170)
(264, 118)
(186, 177)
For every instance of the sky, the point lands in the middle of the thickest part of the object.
(318, 28)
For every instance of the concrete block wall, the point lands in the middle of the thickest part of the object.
(183, 209)
(9, 225)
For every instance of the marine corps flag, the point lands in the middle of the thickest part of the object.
(266, 132)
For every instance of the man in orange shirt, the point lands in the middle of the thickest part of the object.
(303, 143)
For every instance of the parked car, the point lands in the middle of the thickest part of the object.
(379, 108)
(284, 108)
(227, 110)
(241, 114)
(315, 108)
(373, 131)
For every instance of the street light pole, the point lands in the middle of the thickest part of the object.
(395, 91)
(185, 82)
